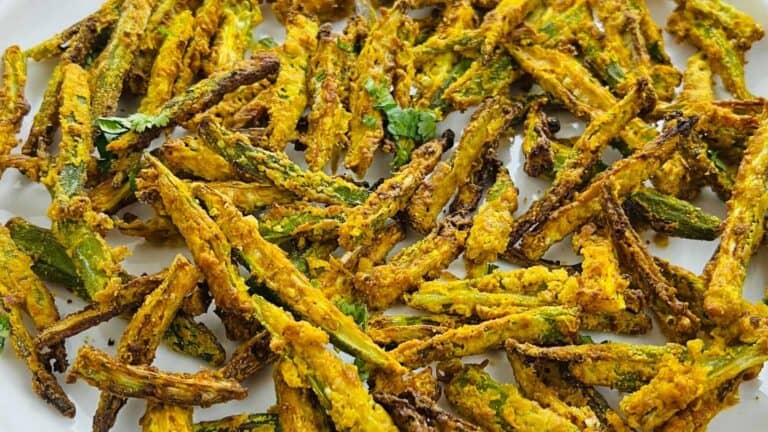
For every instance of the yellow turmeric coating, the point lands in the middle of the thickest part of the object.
(207, 19)
(233, 36)
(500, 21)
(528, 281)
(161, 418)
(13, 104)
(296, 405)
(188, 156)
(224, 112)
(323, 10)
(168, 64)
(742, 233)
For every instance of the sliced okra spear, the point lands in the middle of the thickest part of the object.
(201, 96)
(159, 417)
(250, 357)
(207, 18)
(74, 223)
(190, 157)
(233, 37)
(146, 329)
(482, 80)
(240, 423)
(392, 330)
(413, 412)
(300, 220)
(542, 326)
(146, 382)
(497, 407)
(392, 195)
(278, 168)
(669, 215)
(14, 104)
(297, 407)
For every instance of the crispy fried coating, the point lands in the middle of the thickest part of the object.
(623, 176)
(413, 412)
(14, 105)
(161, 417)
(50, 260)
(233, 36)
(249, 358)
(488, 123)
(146, 382)
(392, 330)
(499, 407)
(543, 326)
(501, 20)
(190, 157)
(392, 195)
(742, 232)
(208, 16)
(225, 112)
(168, 64)
(323, 10)
(697, 415)
(194, 339)
(301, 220)
(530, 281)
(240, 423)
(296, 407)
(481, 81)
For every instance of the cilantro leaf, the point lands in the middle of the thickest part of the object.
(5, 330)
(106, 157)
(358, 311)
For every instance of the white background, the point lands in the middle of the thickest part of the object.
(30, 21)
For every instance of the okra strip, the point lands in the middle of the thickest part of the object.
(622, 366)
(534, 388)
(492, 224)
(233, 36)
(112, 65)
(328, 119)
(240, 423)
(269, 265)
(146, 382)
(467, 302)
(677, 321)
(36, 299)
(207, 18)
(249, 358)
(225, 111)
(189, 157)
(296, 408)
(44, 383)
(739, 25)
(500, 21)
(588, 148)
(542, 326)
(488, 123)
(160, 417)
(300, 220)
(623, 176)
(167, 64)
(742, 233)
(481, 81)
(498, 407)
(382, 285)
(669, 215)
(74, 223)
(413, 412)
(697, 415)
(392, 330)
(530, 281)
(680, 383)
(392, 195)
(288, 97)
(252, 196)
(278, 168)
(199, 97)
(14, 104)
(144, 332)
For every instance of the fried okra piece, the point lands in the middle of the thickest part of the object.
(288, 98)
(225, 112)
(328, 119)
(488, 123)
(375, 64)
(43, 381)
(167, 64)
(467, 302)
(668, 215)
(111, 66)
(296, 407)
(278, 168)
(144, 332)
(190, 157)
(542, 326)
(35, 298)
(14, 104)
(623, 176)
(481, 81)
(680, 383)
(323, 10)
(413, 412)
(301, 220)
(677, 320)
(146, 382)
(382, 285)
(270, 265)
(252, 196)
(208, 16)
(528, 281)
(249, 358)
(622, 366)
(240, 423)
(697, 415)
(501, 20)
(160, 417)
(74, 223)
(498, 407)
(392, 195)
(534, 388)
(186, 336)
(233, 37)
(392, 330)
(492, 224)
(742, 233)
(201, 96)
(588, 149)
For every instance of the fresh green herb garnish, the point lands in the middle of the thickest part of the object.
(5, 330)
(358, 312)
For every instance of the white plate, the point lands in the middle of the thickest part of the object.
(31, 21)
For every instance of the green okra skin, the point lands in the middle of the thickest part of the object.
(544, 325)
(201, 96)
(269, 265)
(249, 357)
(50, 260)
(114, 62)
(481, 81)
(392, 330)
(669, 215)
(5, 329)
(15, 105)
(278, 168)
(465, 302)
(146, 382)
(146, 329)
(498, 407)
(194, 339)
(74, 223)
(299, 220)
(240, 423)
